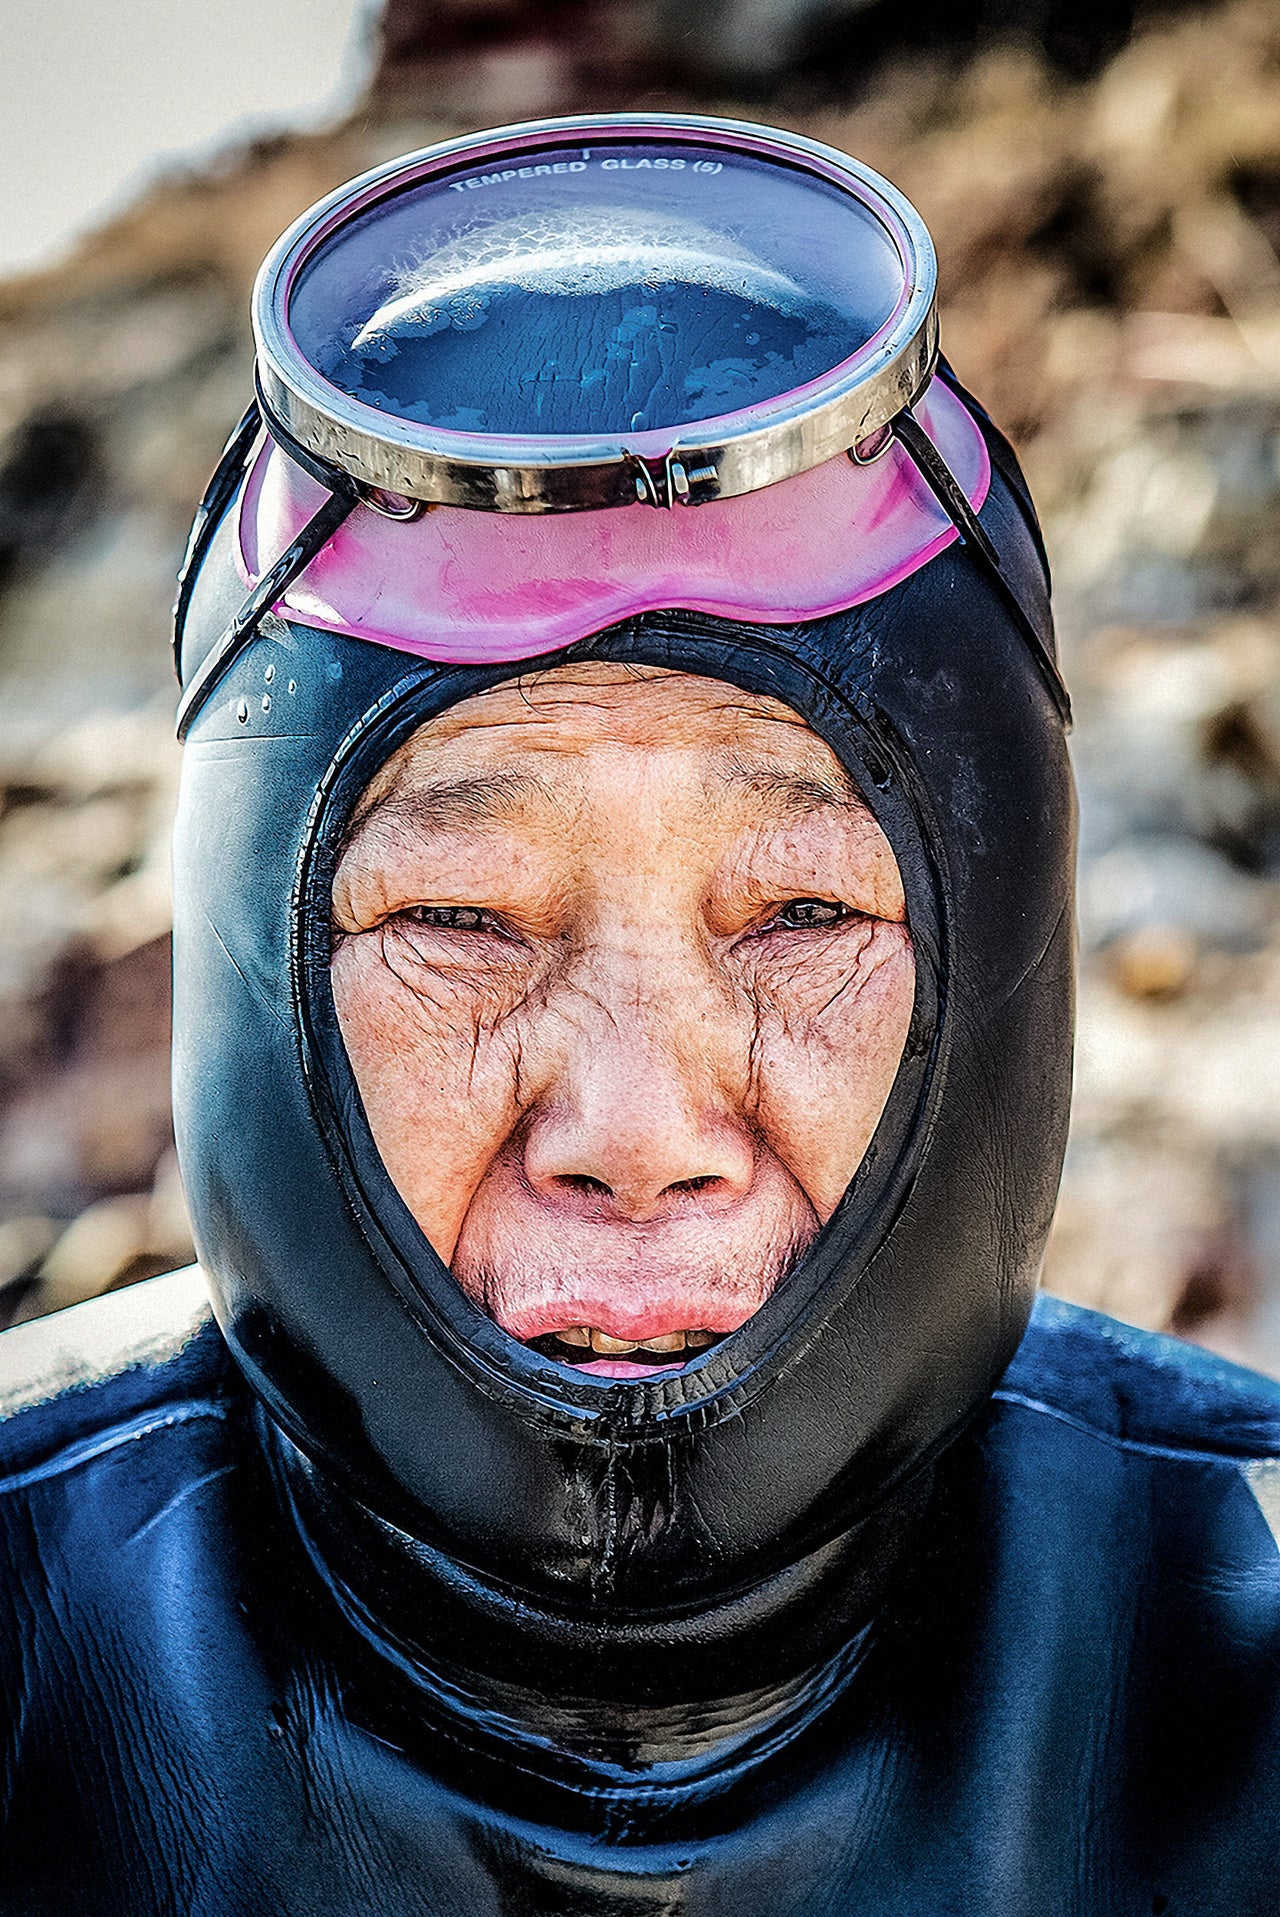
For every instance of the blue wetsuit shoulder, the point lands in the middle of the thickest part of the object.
(1139, 1388)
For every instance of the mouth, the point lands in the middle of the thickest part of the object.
(598, 1354)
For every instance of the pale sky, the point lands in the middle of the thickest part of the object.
(96, 94)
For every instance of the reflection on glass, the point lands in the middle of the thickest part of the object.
(600, 294)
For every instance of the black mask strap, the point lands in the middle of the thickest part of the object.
(948, 492)
(317, 532)
(218, 495)
(344, 496)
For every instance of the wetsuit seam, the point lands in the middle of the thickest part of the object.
(88, 1450)
(1145, 1447)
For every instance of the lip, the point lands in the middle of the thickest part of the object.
(621, 1317)
(609, 1368)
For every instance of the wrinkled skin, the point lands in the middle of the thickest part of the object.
(622, 967)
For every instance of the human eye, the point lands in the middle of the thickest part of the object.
(808, 915)
(456, 918)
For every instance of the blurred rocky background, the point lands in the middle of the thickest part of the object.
(1104, 188)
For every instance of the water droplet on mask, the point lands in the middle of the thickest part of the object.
(269, 674)
(293, 687)
(242, 712)
(467, 312)
(266, 702)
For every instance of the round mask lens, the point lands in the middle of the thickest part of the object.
(512, 321)
(614, 289)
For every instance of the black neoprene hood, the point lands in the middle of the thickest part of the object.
(515, 1487)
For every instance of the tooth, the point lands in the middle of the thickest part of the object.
(669, 1341)
(697, 1339)
(611, 1347)
(574, 1335)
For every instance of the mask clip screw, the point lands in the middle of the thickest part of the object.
(393, 505)
(666, 482)
(865, 451)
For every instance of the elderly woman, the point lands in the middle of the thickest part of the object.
(622, 968)
(608, 1463)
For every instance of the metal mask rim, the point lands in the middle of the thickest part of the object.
(718, 458)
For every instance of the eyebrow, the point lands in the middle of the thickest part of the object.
(466, 801)
(802, 794)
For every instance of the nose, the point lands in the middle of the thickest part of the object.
(644, 1109)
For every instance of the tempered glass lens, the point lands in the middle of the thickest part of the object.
(597, 289)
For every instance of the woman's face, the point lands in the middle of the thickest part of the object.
(622, 967)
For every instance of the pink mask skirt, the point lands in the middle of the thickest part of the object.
(478, 588)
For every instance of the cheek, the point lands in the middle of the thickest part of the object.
(437, 1079)
(827, 1061)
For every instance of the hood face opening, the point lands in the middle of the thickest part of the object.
(622, 971)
